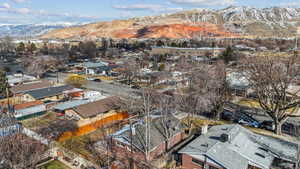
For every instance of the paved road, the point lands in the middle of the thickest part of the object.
(105, 87)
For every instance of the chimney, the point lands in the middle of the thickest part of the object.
(133, 130)
(204, 129)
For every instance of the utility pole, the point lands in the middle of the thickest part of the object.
(131, 147)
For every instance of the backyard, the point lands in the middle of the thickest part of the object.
(55, 164)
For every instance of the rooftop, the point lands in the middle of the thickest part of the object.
(95, 108)
(30, 86)
(157, 132)
(70, 104)
(48, 92)
(242, 148)
(27, 105)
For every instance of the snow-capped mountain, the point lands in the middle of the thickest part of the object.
(32, 30)
(232, 21)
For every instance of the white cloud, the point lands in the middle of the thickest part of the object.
(137, 7)
(19, 1)
(23, 10)
(150, 7)
(6, 6)
(204, 2)
(290, 4)
(172, 9)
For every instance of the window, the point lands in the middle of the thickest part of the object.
(211, 167)
(198, 162)
(119, 144)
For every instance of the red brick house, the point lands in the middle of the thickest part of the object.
(163, 136)
(235, 147)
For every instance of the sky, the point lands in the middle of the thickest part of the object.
(78, 11)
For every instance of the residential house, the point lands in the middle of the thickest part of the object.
(74, 93)
(30, 112)
(238, 84)
(164, 133)
(93, 111)
(235, 147)
(61, 108)
(29, 86)
(47, 94)
(27, 105)
(19, 79)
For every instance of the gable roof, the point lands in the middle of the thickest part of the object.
(95, 108)
(30, 86)
(243, 147)
(48, 92)
(160, 129)
(70, 104)
(27, 105)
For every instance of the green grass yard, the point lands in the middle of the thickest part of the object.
(55, 164)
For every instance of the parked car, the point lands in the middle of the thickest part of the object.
(97, 80)
(249, 123)
(287, 128)
(240, 118)
(135, 87)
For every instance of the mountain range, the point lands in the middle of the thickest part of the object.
(229, 22)
(32, 30)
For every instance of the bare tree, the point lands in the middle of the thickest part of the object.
(130, 71)
(166, 106)
(20, 152)
(207, 91)
(6, 44)
(38, 65)
(271, 79)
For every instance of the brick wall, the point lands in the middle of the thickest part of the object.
(160, 149)
(187, 163)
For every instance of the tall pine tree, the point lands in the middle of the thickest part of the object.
(3, 84)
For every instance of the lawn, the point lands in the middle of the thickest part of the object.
(55, 164)
(40, 121)
(79, 144)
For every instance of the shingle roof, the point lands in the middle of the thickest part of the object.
(30, 110)
(30, 86)
(157, 132)
(95, 108)
(243, 147)
(48, 92)
(27, 105)
(70, 104)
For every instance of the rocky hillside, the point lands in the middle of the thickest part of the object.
(228, 22)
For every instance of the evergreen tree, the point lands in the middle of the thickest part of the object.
(3, 84)
(21, 47)
(228, 55)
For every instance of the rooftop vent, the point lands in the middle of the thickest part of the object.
(260, 155)
(225, 137)
(204, 145)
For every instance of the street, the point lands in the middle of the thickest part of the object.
(103, 86)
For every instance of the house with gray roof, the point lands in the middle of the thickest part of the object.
(235, 147)
(30, 112)
(47, 94)
(164, 133)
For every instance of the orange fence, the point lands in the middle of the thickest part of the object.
(94, 126)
